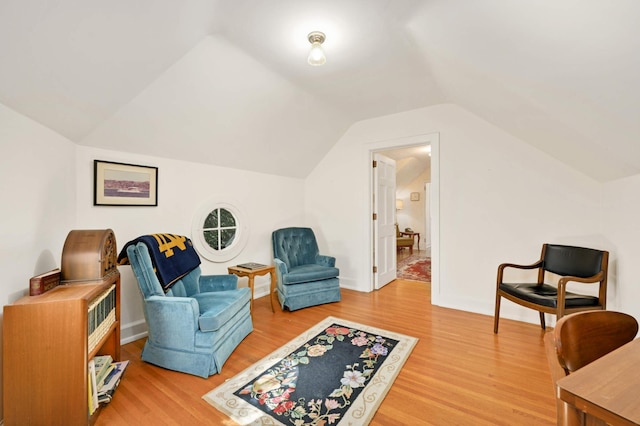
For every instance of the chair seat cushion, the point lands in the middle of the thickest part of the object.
(216, 308)
(546, 295)
(305, 273)
(404, 242)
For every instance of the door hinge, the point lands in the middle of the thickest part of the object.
(375, 164)
(375, 269)
(375, 216)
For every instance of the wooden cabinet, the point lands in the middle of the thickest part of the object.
(47, 345)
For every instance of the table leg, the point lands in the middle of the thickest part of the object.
(251, 287)
(272, 287)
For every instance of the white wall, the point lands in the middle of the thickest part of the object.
(500, 199)
(268, 201)
(620, 213)
(38, 202)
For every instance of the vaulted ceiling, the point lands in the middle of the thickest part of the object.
(226, 82)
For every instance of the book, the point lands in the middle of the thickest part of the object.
(103, 365)
(251, 265)
(102, 361)
(105, 392)
(93, 389)
(90, 401)
(44, 282)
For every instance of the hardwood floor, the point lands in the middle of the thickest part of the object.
(403, 254)
(459, 373)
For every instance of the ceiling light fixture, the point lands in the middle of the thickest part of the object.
(316, 54)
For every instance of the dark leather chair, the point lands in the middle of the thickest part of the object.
(571, 264)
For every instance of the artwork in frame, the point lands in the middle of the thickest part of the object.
(120, 184)
(415, 196)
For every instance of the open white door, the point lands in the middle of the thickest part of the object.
(384, 230)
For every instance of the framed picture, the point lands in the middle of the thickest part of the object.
(120, 184)
(415, 196)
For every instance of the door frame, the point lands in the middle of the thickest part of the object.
(432, 139)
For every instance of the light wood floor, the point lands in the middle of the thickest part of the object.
(459, 373)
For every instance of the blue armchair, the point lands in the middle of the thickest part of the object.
(305, 277)
(197, 324)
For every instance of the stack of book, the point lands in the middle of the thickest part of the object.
(111, 382)
(104, 378)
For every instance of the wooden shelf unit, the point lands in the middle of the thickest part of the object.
(45, 341)
(46, 348)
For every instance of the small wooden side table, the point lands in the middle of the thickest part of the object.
(251, 274)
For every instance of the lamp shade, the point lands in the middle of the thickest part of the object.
(399, 204)
(316, 54)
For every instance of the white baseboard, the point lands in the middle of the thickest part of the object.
(133, 331)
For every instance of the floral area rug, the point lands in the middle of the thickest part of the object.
(336, 373)
(415, 268)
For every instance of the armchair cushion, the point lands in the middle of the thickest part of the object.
(547, 295)
(218, 282)
(217, 308)
(306, 273)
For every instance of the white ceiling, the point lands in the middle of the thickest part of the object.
(225, 82)
(411, 162)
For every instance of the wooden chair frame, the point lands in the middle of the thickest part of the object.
(561, 309)
(570, 346)
(586, 336)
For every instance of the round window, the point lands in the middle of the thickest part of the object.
(219, 231)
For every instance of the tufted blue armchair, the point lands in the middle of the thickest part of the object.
(197, 324)
(305, 277)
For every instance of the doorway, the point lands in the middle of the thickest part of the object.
(427, 223)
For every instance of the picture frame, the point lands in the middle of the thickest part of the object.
(122, 184)
(415, 196)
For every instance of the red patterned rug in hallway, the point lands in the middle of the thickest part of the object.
(415, 268)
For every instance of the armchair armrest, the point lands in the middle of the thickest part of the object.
(209, 283)
(587, 280)
(172, 321)
(281, 269)
(281, 266)
(326, 260)
(504, 266)
(562, 289)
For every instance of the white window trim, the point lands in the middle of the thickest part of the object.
(239, 242)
